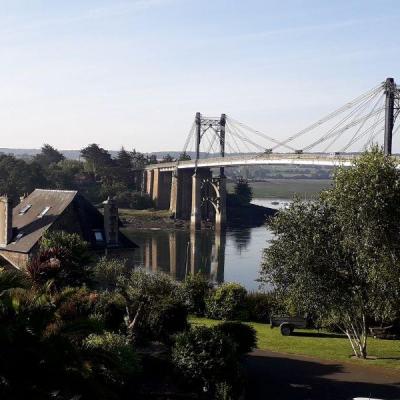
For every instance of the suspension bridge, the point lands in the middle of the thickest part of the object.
(191, 191)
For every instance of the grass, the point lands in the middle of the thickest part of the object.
(126, 212)
(286, 188)
(320, 345)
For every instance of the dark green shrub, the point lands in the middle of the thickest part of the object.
(259, 306)
(227, 302)
(196, 288)
(164, 318)
(135, 200)
(108, 271)
(156, 308)
(205, 357)
(244, 336)
(111, 309)
(115, 358)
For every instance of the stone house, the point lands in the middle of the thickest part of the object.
(22, 227)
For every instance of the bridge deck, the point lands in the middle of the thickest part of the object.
(262, 159)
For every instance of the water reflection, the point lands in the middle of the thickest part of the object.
(180, 253)
(234, 255)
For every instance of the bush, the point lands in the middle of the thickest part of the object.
(260, 306)
(244, 336)
(135, 200)
(205, 357)
(195, 290)
(227, 302)
(115, 357)
(111, 310)
(155, 303)
(108, 271)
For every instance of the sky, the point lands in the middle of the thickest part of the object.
(134, 73)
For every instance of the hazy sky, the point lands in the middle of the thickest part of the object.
(134, 73)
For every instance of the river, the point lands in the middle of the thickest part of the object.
(232, 256)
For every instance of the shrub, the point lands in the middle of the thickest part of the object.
(111, 309)
(195, 290)
(135, 200)
(155, 305)
(260, 306)
(227, 302)
(115, 357)
(244, 336)
(108, 271)
(205, 357)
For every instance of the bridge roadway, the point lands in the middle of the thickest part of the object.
(260, 159)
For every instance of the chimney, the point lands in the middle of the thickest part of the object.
(5, 221)
(111, 221)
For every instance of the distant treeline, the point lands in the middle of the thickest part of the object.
(97, 174)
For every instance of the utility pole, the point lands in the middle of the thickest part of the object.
(222, 123)
(390, 89)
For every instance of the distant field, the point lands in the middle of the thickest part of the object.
(287, 188)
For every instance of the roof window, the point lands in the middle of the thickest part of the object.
(24, 209)
(43, 213)
(19, 236)
(98, 235)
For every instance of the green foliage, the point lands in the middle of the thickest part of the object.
(155, 305)
(243, 191)
(334, 258)
(259, 306)
(184, 157)
(196, 288)
(108, 271)
(134, 200)
(48, 156)
(119, 360)
(227, 302)
(205, 357)
(244, 336)
(62, 257)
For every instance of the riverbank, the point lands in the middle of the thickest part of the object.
(250, 215)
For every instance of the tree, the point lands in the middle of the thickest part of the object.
(48, 155)
(124, 159)
(139, 160)
(184, 157)
(152, 159)
(243, 190)
(167, 158)
(97, 159)
(338, 258)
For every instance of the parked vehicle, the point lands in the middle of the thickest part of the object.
(288, 324)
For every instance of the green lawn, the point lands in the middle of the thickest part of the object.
(127, 212)
(286, 188)
(323, 345)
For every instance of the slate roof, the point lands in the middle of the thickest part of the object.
(29, 226)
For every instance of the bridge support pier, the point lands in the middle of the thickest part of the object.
(195, 217)
(220, 212)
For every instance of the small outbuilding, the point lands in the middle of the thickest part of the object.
(22, 227)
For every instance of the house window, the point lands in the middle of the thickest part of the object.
(98, 235)
(25, 209)
(43, 213)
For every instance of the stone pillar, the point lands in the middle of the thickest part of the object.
(147, 254)
(173, 202)
(149, 182)
(156, 186)
(195, 218)
(220, 215)
(5, 221)
(111, 222)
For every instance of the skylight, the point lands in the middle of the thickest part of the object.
(99, 236)
(19, 236)
(24, 209)
(43, 213)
